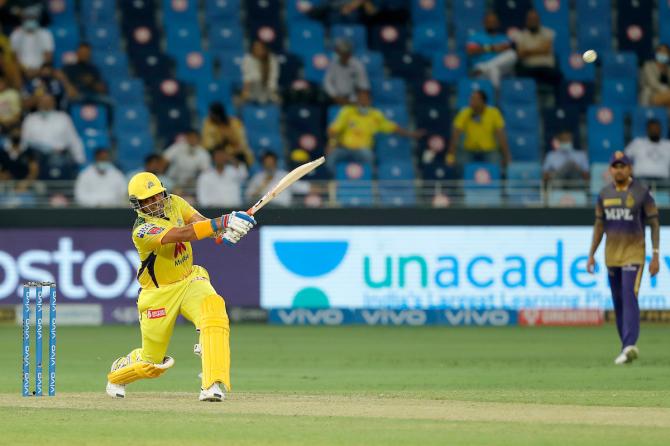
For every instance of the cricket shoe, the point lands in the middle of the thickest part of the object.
(213, 393)
(628, 355)
(116, 390)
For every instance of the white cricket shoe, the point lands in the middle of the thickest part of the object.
(214, 393)
(628, 355)
(116, 390)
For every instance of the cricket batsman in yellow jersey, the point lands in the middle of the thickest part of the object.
(171, 285)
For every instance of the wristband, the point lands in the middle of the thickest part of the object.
(656, 251)
(203, 229)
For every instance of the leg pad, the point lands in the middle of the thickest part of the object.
(128, 369)
(214, 339)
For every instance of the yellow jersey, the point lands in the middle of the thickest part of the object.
(163, 264)
(356, 130)
(479, 131)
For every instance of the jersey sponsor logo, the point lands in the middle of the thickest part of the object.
(156, 314)
(149, 229)
(607, 202)
(155, 230)
(179, 248)
(618, 214)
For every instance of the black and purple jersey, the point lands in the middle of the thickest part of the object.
(624, 213)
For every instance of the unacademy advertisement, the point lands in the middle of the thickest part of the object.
(441, 267)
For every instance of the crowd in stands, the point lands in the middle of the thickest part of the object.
(221, 98)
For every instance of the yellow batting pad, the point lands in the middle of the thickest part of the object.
(215, 341)
(128, 369)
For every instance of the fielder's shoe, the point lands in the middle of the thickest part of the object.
(214, 393)
(628, 355)
(116, 390)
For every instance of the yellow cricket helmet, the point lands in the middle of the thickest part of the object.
(142, 186)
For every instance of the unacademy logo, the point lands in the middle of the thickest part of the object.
(311, 259)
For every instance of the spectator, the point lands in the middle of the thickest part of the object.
(565, 163)
(101, 184)
(650, 155)
(46, 80)
(352, 134)
(655, 79)
(84, 76)
(345, 75)
(52, 133)
(484, 129)
(491, 52)
(535, 50)
(187, 159)
(10, 106)
(263, 181)
(260, 73)
(32, 44)
(18, 163)
(221, 185)
(219, 129)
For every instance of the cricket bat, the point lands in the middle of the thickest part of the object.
(284, 183)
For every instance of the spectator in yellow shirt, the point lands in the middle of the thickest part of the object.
(483, 128)
(352, 134)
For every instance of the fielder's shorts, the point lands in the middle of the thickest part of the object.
(159, 307)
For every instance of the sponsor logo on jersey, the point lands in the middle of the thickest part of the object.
(149, 229)
(156, 314)
(179, 248)
(619, 214)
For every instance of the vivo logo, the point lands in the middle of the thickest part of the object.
(480, 318)
(618, 214)
(391, 317)
(311, 317)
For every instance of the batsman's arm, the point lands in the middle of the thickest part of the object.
(195, 231)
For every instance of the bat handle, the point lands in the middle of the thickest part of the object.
(219, 238)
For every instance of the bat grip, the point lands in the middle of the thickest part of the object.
(219, 238)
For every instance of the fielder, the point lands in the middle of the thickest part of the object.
(171, 285)
(623, 209)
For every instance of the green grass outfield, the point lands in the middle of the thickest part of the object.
(355, 385)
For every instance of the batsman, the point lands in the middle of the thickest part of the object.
(172, 285)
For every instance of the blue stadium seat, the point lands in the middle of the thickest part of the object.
(127, 91)
(223, 10)
(523, 145)
(354, 186)
(296, 9)
(396, 187)
(574, 68)
(138, 13)
(567, 198)
(622, 65)
(482, 184)
(605, 129)
(642, 114)
(468, 11)
(306, 39)
(263, 142)
(558, 119)
(635, 30)
(619, 92)
(433, 119)
(523, 183)
(112, 65)
(66, 39)
(429, 39)
(315, 67)
(193, 66)
(463, 33)
(521, 117)
(396, 113)
(431, 93)
(374, 65)
(263, 10)
(289, 68)
(663, 20)
(262, 119)
(180, 12)
(411, 67)
(89, 116)
(164, 93)
(97, 11)
(132, 148)
(304, 118)
(153, 67)
(356, 34)
(172, 120)
(61, 11)
(210, 90)
(449, 67)
(226, 37)
(389, 39)
(93, 140)
(104, 37)
(518, 91)
(596, 36)
(182, 38)
(424, 12)
(271, 34)
(393, 148)
(599, 177)
(512, 14)
(332, 113)
(391, 91)
(594, 11)
(230, 65)
(556, 16)
(467, 85)
(575, 93)
(131, 119)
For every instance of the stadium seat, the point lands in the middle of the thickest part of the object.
(112, 65)
(270, 33)
(306, 39)
(449, 67)
(374, 65)
(142, 40)
(289, 68)
(165, 93)
(467, 85)
(595, 36)
(62, 11)
(576, 94)
(315, 67)
(433, 119)
(131, 119)
(391, 91)
(393, 148)
(127, 91)
(354, 186)
(663, 20)
(226, 37)
(468, 11)
(132, 148)
(396, 113)
(183, 38)
(262, 119)
(622, 65)
(332, 113)
(97, 11)
(104, 37)
(172, 120)
(523, 146)
(389, 39)
(263, 142)
(230, 65)
(635, 26)
(213, 90)
(89, 116)
(137, 13)
(642, 114)
(574, 68)
(262, 10)
(523, 184)
(396, 187)
(523, 118)
(463, 34)
(431, 93)
(223, 10)
(93, 140)
(428, 12)
(66, 40)
(429, 39)
(558, 119)
(482, 184)
(193, 66)
(605, 132)
(179, 12)
(599, 177)
(153, 67)
(518, 91)
(556, 16)
(512, 14)
(356, 34)
(304, 118)
(619, 92)
(567, 198)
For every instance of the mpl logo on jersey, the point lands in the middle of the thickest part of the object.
(473, 268)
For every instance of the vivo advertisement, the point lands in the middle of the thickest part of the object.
(98, 266)
(472, 268)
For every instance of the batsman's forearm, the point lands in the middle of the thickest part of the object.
(196, 231)
(655, 233)
(598, 231)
